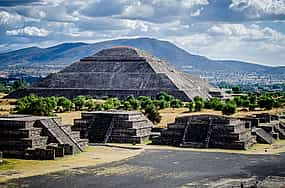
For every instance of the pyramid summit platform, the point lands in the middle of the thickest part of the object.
(120, 72)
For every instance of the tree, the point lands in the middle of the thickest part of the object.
(135, 103)
(145, 101)
(152, 113)
(164, 96)
(214, 103)
(19, 84)
(236, 89)
(197, 98)
(229, 108)
(176, 103)
(64, 104)
(190, 106)
(199, 105)
(99, 107)
(162, 104)
(266, 102)
(127, 105)
(90, 105)
(32, 104)
(79, 102)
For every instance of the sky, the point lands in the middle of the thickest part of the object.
(248, 30)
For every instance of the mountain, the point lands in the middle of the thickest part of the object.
(67, 53)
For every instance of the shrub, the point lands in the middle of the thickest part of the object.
(266, 102)
(127, 105)
(145, 101)
(197, 98)
(90, 105)
(79, 102)
(64, 104)
(164, 96)
(176, 103)
(213, 103)
(162, 104)
(135, 103)
(32, 104)
(152, 113)
(99, 107)
(190, 106)
(199, 105)
(229, 108)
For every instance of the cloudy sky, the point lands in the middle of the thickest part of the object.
(250, 30)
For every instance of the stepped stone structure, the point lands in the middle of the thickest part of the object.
(114, 126)
(267, 127)
(121, 72)
(36, 137)
(207, 131)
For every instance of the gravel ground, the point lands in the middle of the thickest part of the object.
(169, 168)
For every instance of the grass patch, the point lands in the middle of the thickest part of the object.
(6, 165)
(147, 142)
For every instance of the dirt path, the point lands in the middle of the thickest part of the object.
(94, 155)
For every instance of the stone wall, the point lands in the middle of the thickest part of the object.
(115, 126)
(35, 137)
(207, 131)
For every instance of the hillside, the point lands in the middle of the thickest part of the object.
(67, 53)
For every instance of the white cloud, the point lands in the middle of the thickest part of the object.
(258, 8)
(29, 31)
(8, 18)
(252, 32)
(191, 3)
(138, 10)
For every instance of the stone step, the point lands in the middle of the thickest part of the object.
(263, 137)
(60, 135)
(279, 130)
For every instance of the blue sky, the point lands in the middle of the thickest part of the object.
(249, 30)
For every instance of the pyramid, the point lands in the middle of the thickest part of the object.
(120, 72)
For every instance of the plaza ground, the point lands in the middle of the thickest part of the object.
(163, 168)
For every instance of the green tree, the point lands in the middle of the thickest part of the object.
(199, 105)
(90, 104)
(99, 107)
(135, 103)
(65, 104)
(229, 108)
(19, 84)
(266, 102)
(163, 104)
(190, 106)
(33, 104)
(236, 89)
(127, 105)
(213, 103)
(79, 102)
(145, 101)
(176, 103)
(152, 113)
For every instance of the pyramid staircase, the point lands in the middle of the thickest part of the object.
(203, 131)
(34, 137)
(114, 126)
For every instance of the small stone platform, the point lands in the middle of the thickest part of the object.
(207, 131)
(114, 126)
(267, 127)
(36, 137)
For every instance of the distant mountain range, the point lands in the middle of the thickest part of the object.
(67, 53)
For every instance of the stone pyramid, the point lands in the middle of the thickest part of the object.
(119, 72)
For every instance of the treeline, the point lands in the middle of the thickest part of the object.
(33, 104)
(17, 84)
